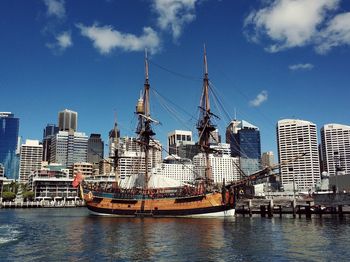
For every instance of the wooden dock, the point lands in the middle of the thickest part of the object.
(298, 207)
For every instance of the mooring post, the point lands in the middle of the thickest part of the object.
(280, 210)
(263, 210)
(250, 207)
(308, 210)
(293, 208)
(270, 208)
(340, 211)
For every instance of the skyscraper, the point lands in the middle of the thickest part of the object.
(113, 136)
(222, 167)
(335, 146)
(177, 138)
(2, 170)
(9, 126)
(294, 138)
(68, 148)
(267, 159)
(132, 158)
(30, 159)
(49, 132)
(244, 140)
(67, 120)
(95, 149)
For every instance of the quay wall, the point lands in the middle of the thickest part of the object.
(42, 204)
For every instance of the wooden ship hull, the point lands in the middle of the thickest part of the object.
(208, 205)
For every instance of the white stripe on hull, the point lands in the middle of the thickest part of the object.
(107, 215)
(226, 213)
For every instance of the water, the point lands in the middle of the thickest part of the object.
(72, 234)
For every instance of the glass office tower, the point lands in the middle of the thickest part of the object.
(49, 132)
(9, 126)
(244, 139)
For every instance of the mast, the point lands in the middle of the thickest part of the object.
(144, 128)
(114, 136)
(204, 125)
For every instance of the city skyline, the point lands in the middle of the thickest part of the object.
(267, 60)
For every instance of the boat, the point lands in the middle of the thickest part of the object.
(201, 199)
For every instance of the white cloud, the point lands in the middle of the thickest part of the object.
(335, 34)
(288, 23)
(259, 99)
(301, 67)
(55, 8)
(174, 14)
(105, 39)
(64, 40)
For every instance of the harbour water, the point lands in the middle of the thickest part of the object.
(72, 234)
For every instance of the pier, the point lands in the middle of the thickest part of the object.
(296, 208)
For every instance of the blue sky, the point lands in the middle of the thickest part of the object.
(268, 60)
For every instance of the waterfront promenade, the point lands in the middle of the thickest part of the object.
(42, 204)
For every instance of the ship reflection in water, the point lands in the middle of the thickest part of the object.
(74, 235)
(148, 239)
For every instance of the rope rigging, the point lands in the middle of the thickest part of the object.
(218, 100)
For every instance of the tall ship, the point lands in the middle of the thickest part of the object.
(202, 198)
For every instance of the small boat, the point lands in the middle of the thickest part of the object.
(202, 199)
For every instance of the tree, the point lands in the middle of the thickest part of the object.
(8, 196)
(12, 187)
(28, 195)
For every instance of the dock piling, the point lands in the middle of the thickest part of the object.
(293, 209)
(340, 211)
(250, 207)
(263, 210)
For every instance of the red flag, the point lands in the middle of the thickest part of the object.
(77, 179)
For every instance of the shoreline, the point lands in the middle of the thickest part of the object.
(43, 204)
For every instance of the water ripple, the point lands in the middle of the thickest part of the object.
(8, 233)
(74, 235)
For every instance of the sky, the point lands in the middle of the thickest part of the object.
(267, 60)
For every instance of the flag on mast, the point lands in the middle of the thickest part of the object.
(77, 179)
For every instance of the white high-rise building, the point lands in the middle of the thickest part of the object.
(294, 138)
(177, 138)
(68, 148)
(2, 170)
(176, 168)
(30, 159)
(222, 167)
(222, 148)
(336, 148)
(132, 159)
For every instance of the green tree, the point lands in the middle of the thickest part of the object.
(28, 195)
(8, 196)
(12, 187)
(24, 187)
